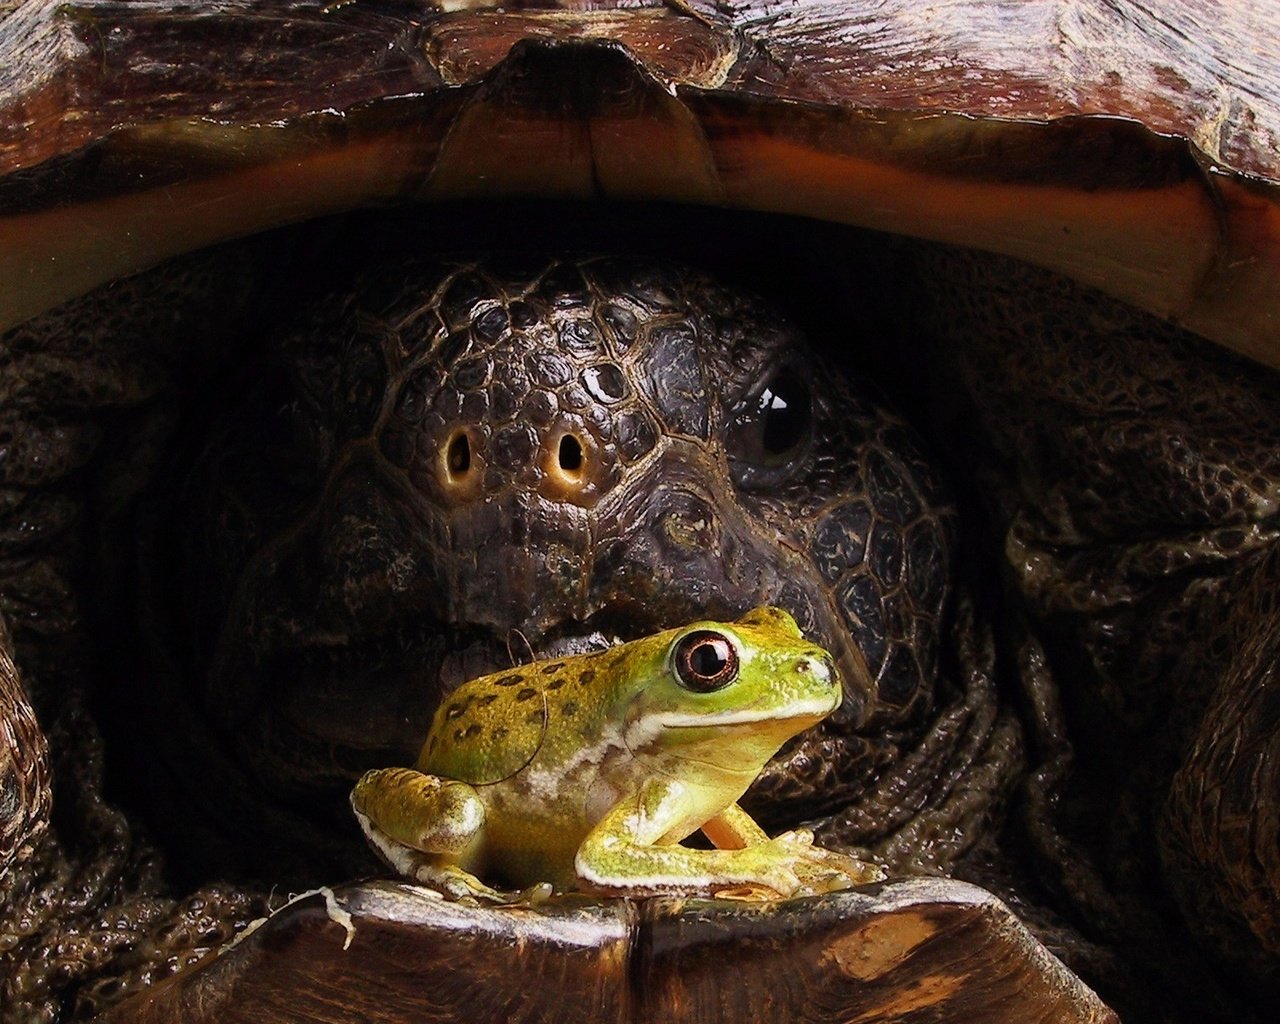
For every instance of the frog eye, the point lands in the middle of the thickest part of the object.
(705, 661)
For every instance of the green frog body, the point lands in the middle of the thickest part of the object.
(587, 772)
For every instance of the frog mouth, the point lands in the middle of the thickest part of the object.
(812, 710)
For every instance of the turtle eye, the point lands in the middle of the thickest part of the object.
(770, 429)
(705, 661)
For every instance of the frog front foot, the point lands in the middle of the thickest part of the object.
(626, 855)
(454, 883)
(794, 866)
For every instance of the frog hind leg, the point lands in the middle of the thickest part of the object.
(734, 829)
(423, 826)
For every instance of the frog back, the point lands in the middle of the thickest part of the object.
(542, 714)
(489, 728)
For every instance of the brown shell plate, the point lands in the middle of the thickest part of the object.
(1137, 150)
(911, 952)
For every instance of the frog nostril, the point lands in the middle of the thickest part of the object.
(818, 666)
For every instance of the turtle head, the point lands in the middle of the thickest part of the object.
(559, 458)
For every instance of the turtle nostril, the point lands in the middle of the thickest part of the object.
(573, 466)
(569, 455)
(461, 464)
(458, 455)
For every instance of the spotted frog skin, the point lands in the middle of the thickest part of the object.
(587, 772)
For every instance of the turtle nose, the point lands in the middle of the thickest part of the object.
(515, 561)
(562, 459)
(571, 463)
(461, 463)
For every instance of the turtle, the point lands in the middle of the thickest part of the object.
(1049, 238)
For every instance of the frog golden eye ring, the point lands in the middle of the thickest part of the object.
(705, 660)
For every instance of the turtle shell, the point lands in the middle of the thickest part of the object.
(1136, 152)
(865, 956)
(1132, 150)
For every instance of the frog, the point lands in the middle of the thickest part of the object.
(587, 773)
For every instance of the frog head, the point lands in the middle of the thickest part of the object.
(722, 698)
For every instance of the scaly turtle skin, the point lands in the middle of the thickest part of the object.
(1122, 488)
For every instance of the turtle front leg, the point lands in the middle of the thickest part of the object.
(24, 766)
(1221, 837)
(1140, 507)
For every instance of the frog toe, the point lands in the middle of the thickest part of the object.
(798, 837)
(455, 884)
(826, 870)
(463, 887)
(534, 894)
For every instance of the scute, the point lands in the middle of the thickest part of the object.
(1062, 137)
(397, 937)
